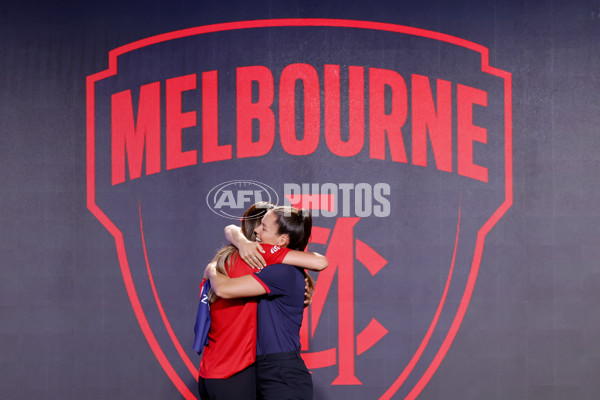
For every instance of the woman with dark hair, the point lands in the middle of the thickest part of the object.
(280, 371)
(227, 368)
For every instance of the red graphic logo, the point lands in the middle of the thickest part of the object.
(340, 252)
(135, 141)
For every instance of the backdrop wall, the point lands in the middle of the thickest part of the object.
(447, 151)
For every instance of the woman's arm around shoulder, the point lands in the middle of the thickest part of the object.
(309, 260)
(232, 288)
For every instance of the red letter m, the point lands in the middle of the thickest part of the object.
(126, 135)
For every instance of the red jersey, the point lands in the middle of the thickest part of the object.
(232, 336)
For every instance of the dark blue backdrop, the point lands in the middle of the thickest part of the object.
(67, 328)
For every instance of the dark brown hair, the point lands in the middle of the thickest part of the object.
(295, 223)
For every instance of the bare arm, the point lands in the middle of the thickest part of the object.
(231, 288)
(312, 261)
(249, 250)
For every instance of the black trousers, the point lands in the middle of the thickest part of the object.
(241, 386)
(283, 376)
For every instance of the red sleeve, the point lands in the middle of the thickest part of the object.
(274, 254)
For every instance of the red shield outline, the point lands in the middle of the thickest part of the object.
(118, 236)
